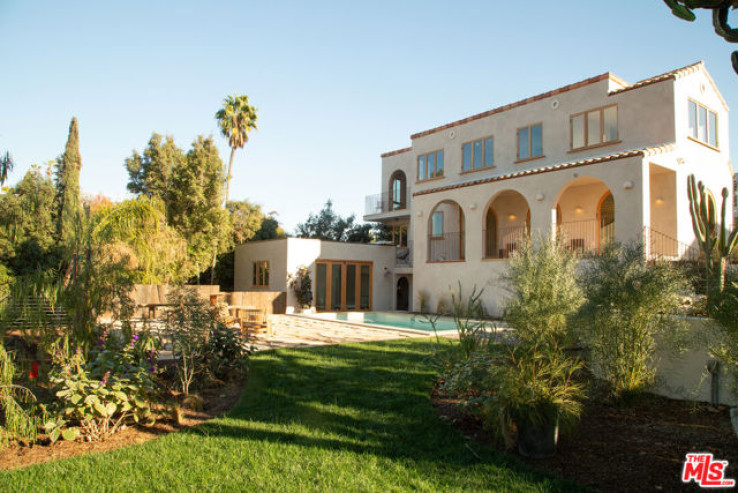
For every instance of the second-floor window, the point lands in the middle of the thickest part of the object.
(261, 274)
(430, 165)
(530, 142)
(702, 124)
(478, 154)
(594, 127)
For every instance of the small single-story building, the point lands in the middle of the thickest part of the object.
(345, 276)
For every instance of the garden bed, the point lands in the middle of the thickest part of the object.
(216, 402)
(637, 447)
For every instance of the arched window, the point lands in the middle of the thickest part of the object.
(398, 191)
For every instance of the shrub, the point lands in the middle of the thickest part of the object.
(226, 353)
(468, 316)
(528, 380)
(628, 308)
(97, 399)
(302, 286)
(19, 418)
(188, 325)
(545, 293)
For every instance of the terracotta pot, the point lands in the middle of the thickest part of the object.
(538, 441)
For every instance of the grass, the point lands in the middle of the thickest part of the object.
(355, 417)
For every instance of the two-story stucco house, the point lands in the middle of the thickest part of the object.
(591, 162)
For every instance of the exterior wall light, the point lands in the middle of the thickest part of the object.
(512, 217)
(659, 201)
(540, 197)
(473, 206)
(628, 185)
(578, 209)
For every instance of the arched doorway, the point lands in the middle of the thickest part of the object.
(403, 294)
(585, 215)
(506, 224)
(398, 191)
(446, 232)
(606, 215)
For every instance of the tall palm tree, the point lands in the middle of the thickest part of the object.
(6, 166)
(236, 119)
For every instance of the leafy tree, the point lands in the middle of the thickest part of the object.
(190, 188)
(236, 119)
(137, 229)
(68, 201)
(720, 13)
(150, 173)
(247, 219)
(194, 201)
(27, 226)
(327, 225)
(6, 166)
(270, 229)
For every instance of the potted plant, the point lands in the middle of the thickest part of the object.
(534, 389)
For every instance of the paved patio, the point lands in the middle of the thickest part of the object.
(297, 331)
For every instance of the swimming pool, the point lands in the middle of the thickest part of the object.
(410, 321)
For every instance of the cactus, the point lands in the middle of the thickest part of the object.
(713, 238)
(720, 21)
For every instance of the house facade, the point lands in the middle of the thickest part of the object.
(597, 161)
(589, 163)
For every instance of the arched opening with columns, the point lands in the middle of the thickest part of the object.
(585, 215)
(506, 224)
(446, 233)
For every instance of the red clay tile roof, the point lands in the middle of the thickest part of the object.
(522, 102)
(674, 74)
(398, 151)
(645, 152)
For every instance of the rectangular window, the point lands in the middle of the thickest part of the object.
(478, 154)
(530, 142)
(261, 274)
(437, 224)
(430, 165)
(594, 127)
(702, 124)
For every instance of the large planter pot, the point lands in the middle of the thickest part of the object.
(538, 441)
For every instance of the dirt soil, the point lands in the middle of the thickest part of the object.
(216, 402)
(638, 447)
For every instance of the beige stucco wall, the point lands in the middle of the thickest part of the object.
(286, 255)
(685, 376)
(435, 278)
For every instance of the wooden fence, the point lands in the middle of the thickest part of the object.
(274, 302)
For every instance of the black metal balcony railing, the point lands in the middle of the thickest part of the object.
(447, 247)
(404, 255)
(502, 242)
(384, 202)
(661, 246)
(586, 236)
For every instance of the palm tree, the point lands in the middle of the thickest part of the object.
(236, 119)
(6, 166)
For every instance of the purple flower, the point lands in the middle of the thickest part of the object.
(152, 369)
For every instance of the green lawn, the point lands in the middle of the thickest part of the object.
(355, 417)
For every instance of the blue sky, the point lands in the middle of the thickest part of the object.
(336, 83)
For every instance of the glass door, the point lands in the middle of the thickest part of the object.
(343, 285)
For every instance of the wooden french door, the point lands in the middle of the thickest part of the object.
(343, 286)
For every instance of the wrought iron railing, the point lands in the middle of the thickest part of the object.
(385, 202)
(587, 236)
(448, 247)
(502, 242)
(661, 246)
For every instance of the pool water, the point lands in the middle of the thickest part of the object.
(394, 320)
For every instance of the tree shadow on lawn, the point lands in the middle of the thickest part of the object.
(363, 398)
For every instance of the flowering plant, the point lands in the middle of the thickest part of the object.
(97, 399)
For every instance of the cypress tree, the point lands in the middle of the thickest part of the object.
(68, 200)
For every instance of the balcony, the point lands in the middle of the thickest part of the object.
(447, 247)
(385, 205)
(502, 242)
